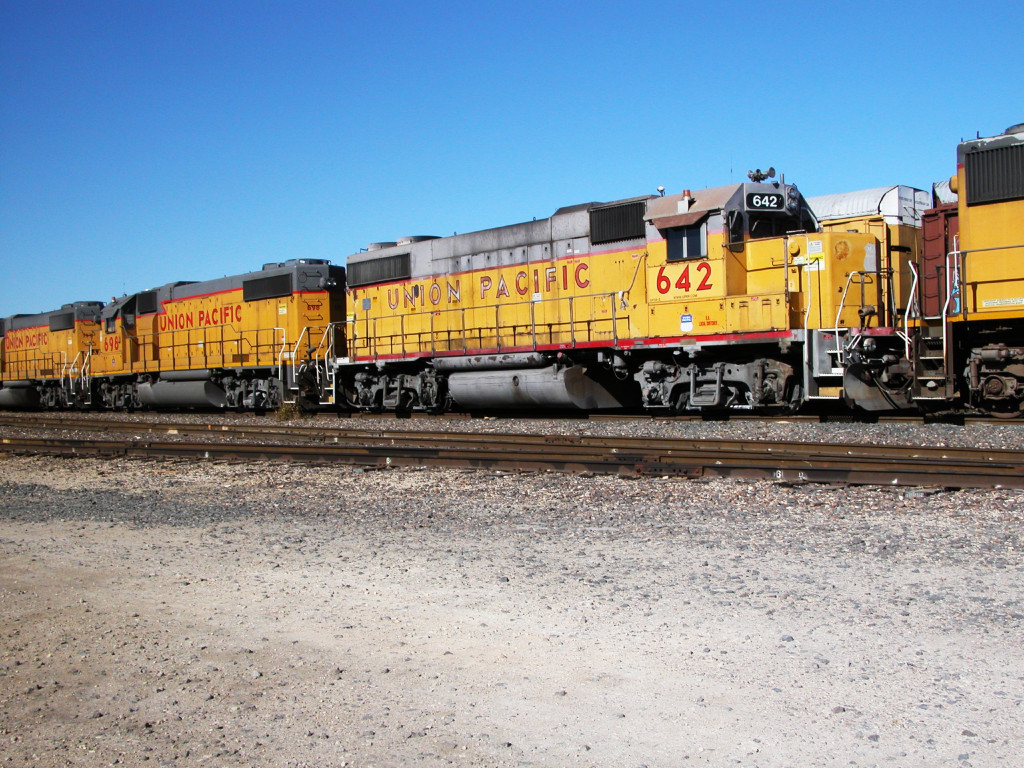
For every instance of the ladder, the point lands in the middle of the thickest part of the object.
(934, 377)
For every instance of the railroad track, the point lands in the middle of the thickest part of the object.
(380, 448)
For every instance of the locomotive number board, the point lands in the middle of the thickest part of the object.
(765, 201)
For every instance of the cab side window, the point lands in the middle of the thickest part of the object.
(686, 243)
(736, 227)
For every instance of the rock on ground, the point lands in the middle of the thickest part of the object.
(161, 613)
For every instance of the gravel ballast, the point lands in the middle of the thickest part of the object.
(173, 613)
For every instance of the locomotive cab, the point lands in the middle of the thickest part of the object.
(763, 303)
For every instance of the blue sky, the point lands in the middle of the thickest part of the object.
(148, 141)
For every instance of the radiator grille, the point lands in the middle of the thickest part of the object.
(146, 303)
(617, 222)
(995, 175)
(63, 321)
(383, 270)
(267, 287)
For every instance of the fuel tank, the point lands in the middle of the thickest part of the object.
(182, 394)
(19, 394)
(551, 387)
(490, 362)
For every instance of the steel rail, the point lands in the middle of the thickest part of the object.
(582, 443)
(787, 462)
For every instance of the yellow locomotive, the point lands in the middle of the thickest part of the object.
(729, 298)
(249, 341)
(975, 328)
(45, 359)
(959, 343)
(735, 298)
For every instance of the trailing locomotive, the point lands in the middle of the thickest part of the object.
(736, 298)
(44, 358)
(980, 329)
(249, 341)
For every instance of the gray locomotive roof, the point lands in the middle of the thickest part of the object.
(1012, 136)
(83, 310)
(115, 305)
(308, 273)
(566, 227)
(898, 204)
(566, 223)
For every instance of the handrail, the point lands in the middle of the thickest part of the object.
(281, 351)
(956, 270)
(913, 308)
(807, 328)
(209, 346)
(325, 348)
(842, 306)
(1010, 247)
(954, 265)
(68, 369)
(573, 331)
(320, 354)
(79, 370)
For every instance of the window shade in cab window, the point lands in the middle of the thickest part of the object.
(687, 242)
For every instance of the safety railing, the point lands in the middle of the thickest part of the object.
(76, 378)
(913, 310)
(953, 305)
(221, 346)
(957, 280)
(320, 356)
(32, 365)
(566, 322)
(841, 331)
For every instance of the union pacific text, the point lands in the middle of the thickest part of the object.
(202, 318)
(495, 287)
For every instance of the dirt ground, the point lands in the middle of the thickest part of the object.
(221, 615)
